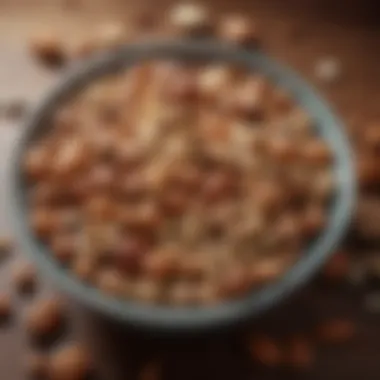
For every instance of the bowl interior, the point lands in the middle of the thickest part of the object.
(180, 319)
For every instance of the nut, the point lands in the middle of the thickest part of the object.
(336, 331)
(190, 19)
(44, 318)
(239, 30)
(48, 48)
(266, 351)
(24, 277)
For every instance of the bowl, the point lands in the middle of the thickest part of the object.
(189, 319)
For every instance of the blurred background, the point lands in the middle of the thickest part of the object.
(335, 46)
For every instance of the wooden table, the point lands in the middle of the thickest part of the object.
(298, 33)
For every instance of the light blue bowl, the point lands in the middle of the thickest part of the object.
(166, 318)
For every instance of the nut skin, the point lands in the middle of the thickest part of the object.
(69, 362)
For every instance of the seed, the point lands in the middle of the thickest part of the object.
(69, 362)
(48, 48)
(336, 331)
(36, 365)
(266, 351)
(44, 318)
(5, 307)
(239, 30)
(24, 277)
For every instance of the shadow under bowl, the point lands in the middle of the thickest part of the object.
(189, 319)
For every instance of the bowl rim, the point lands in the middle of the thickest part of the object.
(191, 319)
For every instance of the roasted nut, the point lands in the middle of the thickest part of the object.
(313, 221)
(190, 20)
(317, 152)
(69, 362)
(110, 282)
(84, 267)
(372, 137)
(162, 264)
(235, 282)
(239, 30)
(368, 171)
(36, 162)
(48, 48)
(266, 351)
(44, 318)
(336, 331)
(63, 247)
(43, 222)
(24, 277)
(129, 255)
(36, 365)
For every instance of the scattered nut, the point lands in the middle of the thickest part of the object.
(48, 48)
(69, 362)
(190, 19)
(239, 30)
(266, 351)
(24, 277)
(44, 318)
(328, 70)
(336, 331)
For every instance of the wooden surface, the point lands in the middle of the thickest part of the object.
(298, 33)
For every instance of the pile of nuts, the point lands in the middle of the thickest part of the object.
(180, 184)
